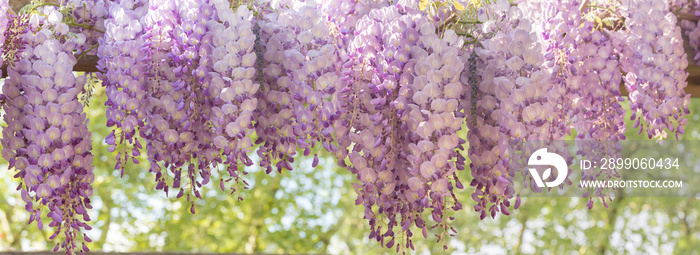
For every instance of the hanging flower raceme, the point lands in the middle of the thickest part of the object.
(184, 84)
(296, 104)
(689, 27)
(586, 78)
(87, 18)
(233, 53)
(46, 139)
(557, 25)
(597, 78)
(201, 98)
(342, 17)
(13, 27)
(399, 115)
(124, 78)
(654, 61)
(692, 30)
(4, 6)
(510, 102)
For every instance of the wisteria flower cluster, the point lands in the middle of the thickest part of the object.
(123, 78)
(179, 75)
(689, 27)
(399, 114)
(596, 67)
(4, 6)
(585, 73)
(511, 102)
(296, 107)
(342, 18)
(654, 61)
(87, 17)
(46, 139)
(12, 28)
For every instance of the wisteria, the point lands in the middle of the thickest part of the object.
(123, 78)
(399, 115)
(12, 42)
(299, 82)
(46, 139)
(387, 88)
(596, 67)
(690, 28)
(342, 18)
(585, 73)
(511, 97)
(654, 60)
(87, 17)
(4, 6)
(183, 75)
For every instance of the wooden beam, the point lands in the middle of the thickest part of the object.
(694, 83)
(693, 69)
(87, 63)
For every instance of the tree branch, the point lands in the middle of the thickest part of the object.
(518, 248)
(447, 22)
(688, 16)
(326, 237)
(583, 5)
(15, 243)
(5, 226)
(103, 236)
(612, 218)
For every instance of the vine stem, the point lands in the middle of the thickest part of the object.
(85, 52)
(583, 5)
(448, 21)
(71, 23)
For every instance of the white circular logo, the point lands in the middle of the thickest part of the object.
(543, 158)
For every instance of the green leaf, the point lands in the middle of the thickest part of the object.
(423, 4)
(458, 6)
